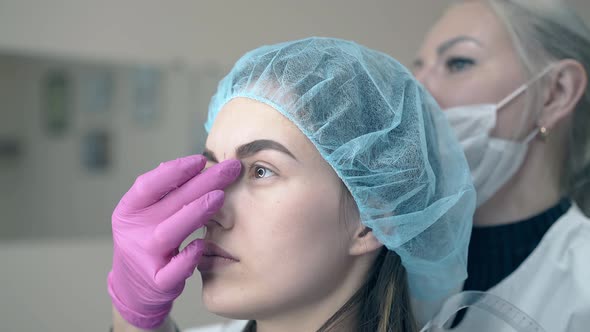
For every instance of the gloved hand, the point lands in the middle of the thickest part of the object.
(162, 208)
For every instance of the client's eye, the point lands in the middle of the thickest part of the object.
(262, 172)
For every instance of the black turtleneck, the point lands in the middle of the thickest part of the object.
(497, 251)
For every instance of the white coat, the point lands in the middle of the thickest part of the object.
(552, 285)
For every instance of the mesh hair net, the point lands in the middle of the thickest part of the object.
(386, 139)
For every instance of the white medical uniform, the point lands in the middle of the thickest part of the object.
(552, 285)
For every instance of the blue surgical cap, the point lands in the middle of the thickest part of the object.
(386, 139)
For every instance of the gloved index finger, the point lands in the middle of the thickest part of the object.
(150, 187)
(217, 177)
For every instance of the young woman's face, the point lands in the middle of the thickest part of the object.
(281, 220)
(468, 58)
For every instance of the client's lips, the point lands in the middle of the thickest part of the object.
(211, 249)
(215, 257)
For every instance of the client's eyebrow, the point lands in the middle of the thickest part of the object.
(210, 155)
(252, 148)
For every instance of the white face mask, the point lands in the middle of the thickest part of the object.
(493, 161)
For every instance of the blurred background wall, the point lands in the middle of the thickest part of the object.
(157, 63)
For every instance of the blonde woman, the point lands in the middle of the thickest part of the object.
(512, 78)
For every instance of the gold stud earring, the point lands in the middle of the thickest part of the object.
(544, 132)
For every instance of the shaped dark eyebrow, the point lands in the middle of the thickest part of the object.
(210, 155)
(252, 148)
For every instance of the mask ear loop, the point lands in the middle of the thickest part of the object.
(518, 92)
(531, 136)
(523, 87)
(512, 96)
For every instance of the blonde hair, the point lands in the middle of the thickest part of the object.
(542, 32)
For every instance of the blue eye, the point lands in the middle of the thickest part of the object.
(262, 172)
(458, 64)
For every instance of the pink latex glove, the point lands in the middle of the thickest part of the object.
(162, 208)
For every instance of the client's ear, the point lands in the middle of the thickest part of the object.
(364, 241)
